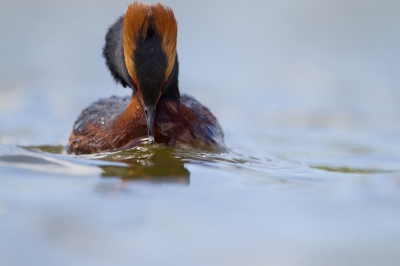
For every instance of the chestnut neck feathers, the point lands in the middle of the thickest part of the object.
(140, 51)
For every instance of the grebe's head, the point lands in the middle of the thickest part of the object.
(149, 38)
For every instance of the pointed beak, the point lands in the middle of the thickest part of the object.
(150, 112)
(150, 90)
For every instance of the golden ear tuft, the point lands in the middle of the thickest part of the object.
(168, 29)
(136, 22)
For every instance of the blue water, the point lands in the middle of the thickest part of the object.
(307, 94)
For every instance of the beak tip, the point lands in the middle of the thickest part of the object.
(151, 139)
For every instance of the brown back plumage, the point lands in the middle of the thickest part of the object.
(136, 23)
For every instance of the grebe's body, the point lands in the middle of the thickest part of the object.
(119, 123)
(140, 52)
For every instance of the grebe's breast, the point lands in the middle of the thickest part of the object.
(119, 123)
(190, 125)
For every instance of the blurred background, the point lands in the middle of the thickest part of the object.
(260, 65)
(311, 89)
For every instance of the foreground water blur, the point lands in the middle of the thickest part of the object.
(308, 97)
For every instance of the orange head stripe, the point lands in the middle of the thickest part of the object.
(167, 27)
(136, 22)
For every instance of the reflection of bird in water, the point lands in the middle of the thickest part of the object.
(158, 165)
(140, 52)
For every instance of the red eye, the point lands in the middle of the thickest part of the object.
(165, 81)
(134, 81)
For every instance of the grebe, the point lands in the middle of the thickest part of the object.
(140, 52)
